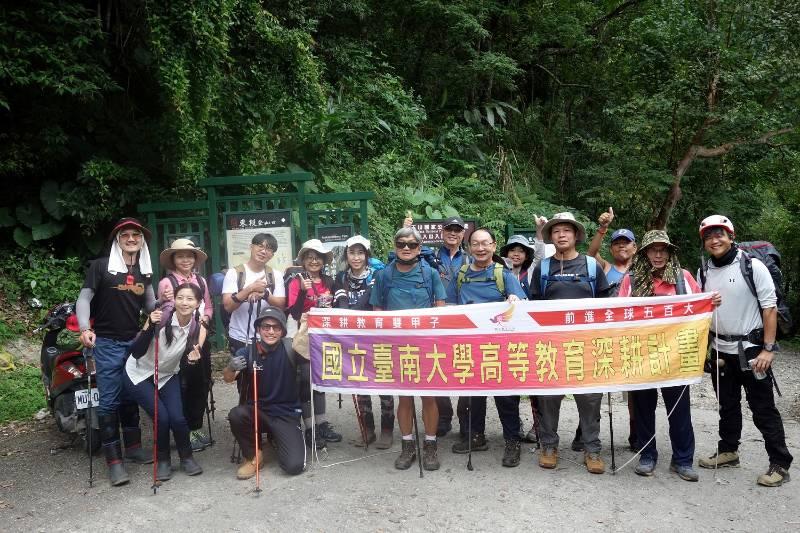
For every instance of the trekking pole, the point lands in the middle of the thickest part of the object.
(611, 430)
(156, 482)
(469, 434)
(87, 357)
(236, 452)
(340, 400)
(416, 433)
(774, 381)
(361, 426)
(210, 408)
(256, 435)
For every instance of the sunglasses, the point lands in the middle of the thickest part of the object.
(410, 245)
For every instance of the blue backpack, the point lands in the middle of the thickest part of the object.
(591, 266)
(388, 279)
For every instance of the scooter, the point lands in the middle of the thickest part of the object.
(65, 379)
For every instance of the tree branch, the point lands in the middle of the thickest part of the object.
(558, 81)
(724, 148)
(597, 25)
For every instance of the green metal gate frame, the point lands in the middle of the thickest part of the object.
(202, 219)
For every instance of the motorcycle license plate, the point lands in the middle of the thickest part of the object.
(82, 398)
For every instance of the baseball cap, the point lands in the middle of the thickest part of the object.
(623, 234)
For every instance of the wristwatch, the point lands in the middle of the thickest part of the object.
(235, 299)
(772, 347)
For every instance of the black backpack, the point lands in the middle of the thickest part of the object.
(766, 253)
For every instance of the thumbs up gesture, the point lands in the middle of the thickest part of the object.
(606, 218)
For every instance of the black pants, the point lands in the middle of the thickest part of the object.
(445, 407)
(170, 412)
(761, 401)
(507, 409)
(285, 433)
(195, 384)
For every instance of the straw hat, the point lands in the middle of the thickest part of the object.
(166, 257)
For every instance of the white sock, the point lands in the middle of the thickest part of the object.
(430, 438)
(407, 437)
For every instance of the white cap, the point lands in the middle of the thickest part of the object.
(357, 239)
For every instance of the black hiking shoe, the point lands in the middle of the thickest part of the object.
(479, 444)
(190, 466)
(320, 441)
(511, 453)
(325, 432)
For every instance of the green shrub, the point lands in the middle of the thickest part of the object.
(21, 394)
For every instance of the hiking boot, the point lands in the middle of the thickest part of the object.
(359, 443)
(248, 468)
(368, 422)
(407, 456)
(531, 437)
(646, 467)
(594, 463)
(326, 433)
(548, 458)
(164, 469)
(685, 472)
(112, 447)
(198, 440)
(320, 441)
(444, 427)
(190, 466)
(511, 453)
(429, 459)
(724, 459)
(775, 476)
(479, 444)
(386, 440)
(577, 445)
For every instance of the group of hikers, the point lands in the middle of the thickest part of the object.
(272, 375)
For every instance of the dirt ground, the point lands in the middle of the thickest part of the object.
(43, 483)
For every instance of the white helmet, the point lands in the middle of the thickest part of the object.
(717, 221)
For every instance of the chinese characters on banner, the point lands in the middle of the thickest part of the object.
(544, 347)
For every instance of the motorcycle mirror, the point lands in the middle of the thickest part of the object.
(35, 303)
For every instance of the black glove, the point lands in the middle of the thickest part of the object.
(237, 363)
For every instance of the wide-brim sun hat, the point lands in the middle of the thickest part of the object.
(656, 236)
(129, 222)
(167, 260)
(563, 218)
(271, 312)
(516, 240)
(317, 246)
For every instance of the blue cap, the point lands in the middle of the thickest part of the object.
(623, 233)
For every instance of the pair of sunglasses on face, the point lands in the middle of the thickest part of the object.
(410, 245)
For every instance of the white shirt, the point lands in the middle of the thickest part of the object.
(169, 356)
(238, 325)
(738, 314)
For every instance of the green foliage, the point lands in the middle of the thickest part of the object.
(37, 273)
(21, 394)
(494, 110)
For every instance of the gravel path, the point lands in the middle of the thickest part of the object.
(43, 484)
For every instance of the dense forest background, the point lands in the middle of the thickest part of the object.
(666, 110)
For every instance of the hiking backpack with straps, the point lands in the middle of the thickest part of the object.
(497, 277)
(545, 277)
(388, 280)
(771, 258)
(224, 315)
